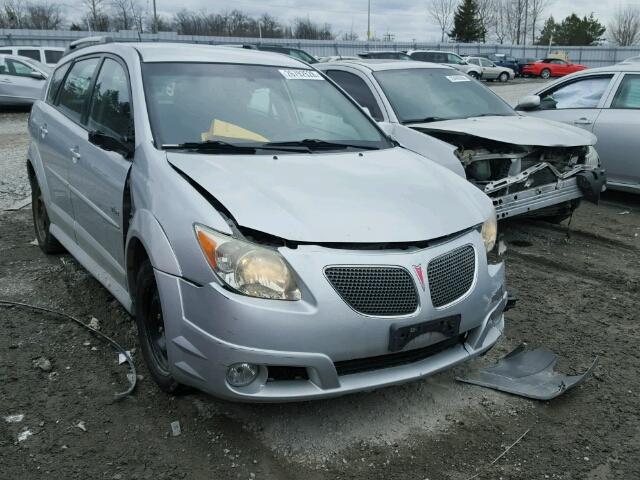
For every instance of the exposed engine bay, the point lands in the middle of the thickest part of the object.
(499, 168)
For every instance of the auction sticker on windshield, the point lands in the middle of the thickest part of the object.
(301, 75)
(458, 78)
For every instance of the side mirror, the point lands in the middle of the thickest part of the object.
(37, 75)
(528, 102)
(112, 144)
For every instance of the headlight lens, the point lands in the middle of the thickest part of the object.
(246, 267)
(489, 232)
(592, 158)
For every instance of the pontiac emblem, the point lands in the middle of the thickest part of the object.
(420, 275)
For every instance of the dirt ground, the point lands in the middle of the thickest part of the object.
(579, 289)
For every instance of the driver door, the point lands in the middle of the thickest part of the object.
(19, 82)
(98, 176)
(577, 102)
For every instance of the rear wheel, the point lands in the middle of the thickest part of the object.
(545, 73)
(151, 330)
(47, 242)
(504, 77)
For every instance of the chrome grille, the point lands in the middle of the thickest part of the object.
(451, 275)
(376, 291)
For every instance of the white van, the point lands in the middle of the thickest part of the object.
(47, 55)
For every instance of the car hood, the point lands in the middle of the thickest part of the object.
(380, 196)
(517, 130)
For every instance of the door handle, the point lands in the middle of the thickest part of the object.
(582, 121)
(75, 154)
(43, 130)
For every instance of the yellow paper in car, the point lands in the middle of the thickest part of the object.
(229, 130)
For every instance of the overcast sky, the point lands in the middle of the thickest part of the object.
(407, 19)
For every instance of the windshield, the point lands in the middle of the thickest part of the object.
(251, 105)
(432, 94)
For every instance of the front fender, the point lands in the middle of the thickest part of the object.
(146, 229)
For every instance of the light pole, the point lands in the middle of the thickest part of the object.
(155, 18)
(369, 21)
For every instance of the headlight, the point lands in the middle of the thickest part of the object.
(489, 232)
(591, 158)
(246, 267)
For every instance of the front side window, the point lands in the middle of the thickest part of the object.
(628, 95)
(474, 61)
(56, 81)
(358, 89)
(432, 94)
(34, 54)
(52, 56)
(75, 90)
(18, 69)
(584, 93)
(110, 110)
(251, 105)
(486, 63)
(454, 59)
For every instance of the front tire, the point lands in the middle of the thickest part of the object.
(151, 330)
(545, 73)
(504, 77)
(474, 75)
(41, 223)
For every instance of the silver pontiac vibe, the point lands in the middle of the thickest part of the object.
(271, 241)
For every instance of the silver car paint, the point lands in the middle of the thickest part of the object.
(20, 90)
(515, 129)
(616, 129)
(209, 327)
(492, 71)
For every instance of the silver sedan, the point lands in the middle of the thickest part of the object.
(491, 71)
(21, 80)
(605, 101)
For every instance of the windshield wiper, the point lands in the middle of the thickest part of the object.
(426, 120)
(317, 144)
(491, 115)
(219, 146)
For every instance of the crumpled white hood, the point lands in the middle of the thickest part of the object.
(517, 130)
(388, 195)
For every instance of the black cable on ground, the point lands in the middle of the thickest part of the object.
(132, 369)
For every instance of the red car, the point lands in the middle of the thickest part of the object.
(551, 67)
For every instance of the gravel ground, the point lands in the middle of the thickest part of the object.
(579, 290)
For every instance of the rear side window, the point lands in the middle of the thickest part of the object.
(628, 95)
(583, 93)
(75, 90)
(358, 89)
(56, 81)
(52, 56)
(429, 56)
(110, 110)
(34, 54)
(6, 52)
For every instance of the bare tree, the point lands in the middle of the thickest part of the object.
(96, 17)
(536, 12)
(500, 21)
(43, 16)
(14, 14)
(486, 15)
(122, 16)
(624, 28)
(441, 11)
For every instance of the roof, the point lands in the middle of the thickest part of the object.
(154, 52)
(376, 65)
(46, 47)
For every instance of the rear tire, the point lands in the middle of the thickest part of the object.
(41, 223)
(545, 73)
(151, 331)
(503, 77)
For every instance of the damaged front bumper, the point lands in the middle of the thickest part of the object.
(519, 194)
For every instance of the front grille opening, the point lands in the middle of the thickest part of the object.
(277, 373)
(451, 275)
(375, 291)
(359, 365)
